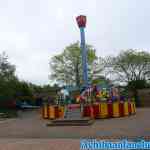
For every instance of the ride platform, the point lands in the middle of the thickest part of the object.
(71, 122)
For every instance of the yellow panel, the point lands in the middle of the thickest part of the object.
(116, 109)
(126, 111)
(51, 112)
(103, 110)
(45, 112)
(61, 112)
(132, 108)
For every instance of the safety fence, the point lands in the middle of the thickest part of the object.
(95, 111)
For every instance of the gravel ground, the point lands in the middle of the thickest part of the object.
(29, 131)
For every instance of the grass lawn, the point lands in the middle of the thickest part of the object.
(8, 113)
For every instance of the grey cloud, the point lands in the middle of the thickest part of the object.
(33, 31)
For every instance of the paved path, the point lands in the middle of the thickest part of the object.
(29, 131)
(31, 125)
(39, 144)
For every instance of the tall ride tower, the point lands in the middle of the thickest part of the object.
(81, 21)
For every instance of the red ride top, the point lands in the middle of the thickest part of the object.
(81, 20)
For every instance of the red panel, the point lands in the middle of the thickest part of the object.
(91, 112)
(129, 107)
(56, 112)
(121, 109)
(86, 111)
(110, 109)
(96, 110)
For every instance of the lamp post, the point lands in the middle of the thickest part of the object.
(81, 21)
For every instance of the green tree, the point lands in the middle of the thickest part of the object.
(101, 80)
(131, 67)
(24, 92)
(67, 66)
(10, 87)
(7, 78)
(7, 70)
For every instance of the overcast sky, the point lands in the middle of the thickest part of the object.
(32, 31)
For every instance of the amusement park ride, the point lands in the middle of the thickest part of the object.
(81, 20)
(94, 101)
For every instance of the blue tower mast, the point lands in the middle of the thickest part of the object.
(81, 20)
